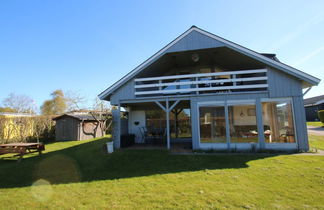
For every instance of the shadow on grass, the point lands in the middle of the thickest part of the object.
(320, 128)
(89, 162)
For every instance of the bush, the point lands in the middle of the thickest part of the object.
(321, 115)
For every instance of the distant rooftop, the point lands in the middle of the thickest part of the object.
(314, 100)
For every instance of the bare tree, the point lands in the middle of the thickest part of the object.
(102, 114)
(39, 126)
(20, 103)
(75, 100)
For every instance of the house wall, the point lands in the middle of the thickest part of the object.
(127, 91)
(282, 84)
(134, 128)
(195, 41)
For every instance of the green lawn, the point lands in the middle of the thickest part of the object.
(317, 124)
(316, 141)
(79, 175)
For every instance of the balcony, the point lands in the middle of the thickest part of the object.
(202, 83)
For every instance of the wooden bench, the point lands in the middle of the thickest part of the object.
(20, 149)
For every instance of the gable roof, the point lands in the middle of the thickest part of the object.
(212, 40)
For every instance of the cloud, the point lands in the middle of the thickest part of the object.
(309, 56)
(297, 32)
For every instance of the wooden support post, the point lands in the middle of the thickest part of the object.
(176, 123)
(227, 128)
(168, 122)
(259, 119)
(119, 127)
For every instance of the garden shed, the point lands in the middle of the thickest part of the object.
(76, 127)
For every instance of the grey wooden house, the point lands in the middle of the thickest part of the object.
(76, 127)
(235, 98)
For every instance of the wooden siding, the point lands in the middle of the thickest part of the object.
(71, 129)
(194, 41)
(89, 130)
(300, 123)
(127, 91)
(282, 84)
(66, 129)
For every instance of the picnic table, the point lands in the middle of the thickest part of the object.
(21, 148)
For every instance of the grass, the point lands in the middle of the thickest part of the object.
(316, 124)
(316, 141)
(79, 175)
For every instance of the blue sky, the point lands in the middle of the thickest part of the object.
(86, 46)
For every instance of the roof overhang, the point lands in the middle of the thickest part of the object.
(307, 79)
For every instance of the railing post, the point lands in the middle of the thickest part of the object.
(234, 77)
(197, 85)
(160, 82)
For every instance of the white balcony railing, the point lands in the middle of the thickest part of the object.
(230, 81)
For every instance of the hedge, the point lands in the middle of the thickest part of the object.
(321, 115)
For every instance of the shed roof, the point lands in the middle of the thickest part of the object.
(268, 59)
(80, 117)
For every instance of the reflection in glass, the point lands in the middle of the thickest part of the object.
(212, 125)
(242, 122)
(278, 122)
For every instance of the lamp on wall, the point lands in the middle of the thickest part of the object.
(195, 57)
(242, 114)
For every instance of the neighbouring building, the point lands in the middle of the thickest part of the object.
(232, 98)
(80, 126)
(312, 106)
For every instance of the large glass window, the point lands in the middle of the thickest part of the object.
(278, 122)
(212, 124)
(242, 123)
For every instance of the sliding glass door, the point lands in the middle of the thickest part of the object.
(242, 126)
(235, 122)
(212, 124)
(242, 123)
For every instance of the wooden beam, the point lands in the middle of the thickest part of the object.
(160, 105)
(173, 105)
